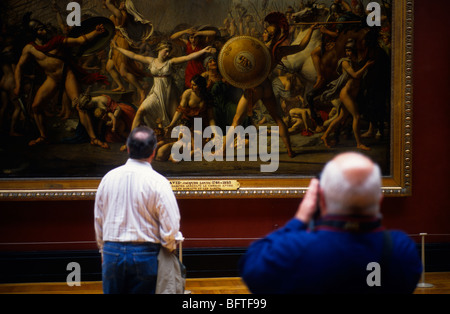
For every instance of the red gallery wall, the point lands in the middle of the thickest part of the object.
(67, 225)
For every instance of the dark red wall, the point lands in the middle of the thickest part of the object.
(209, 222)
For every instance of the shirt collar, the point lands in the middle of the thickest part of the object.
(138, 162)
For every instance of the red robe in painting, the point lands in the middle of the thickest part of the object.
(194, 66)
(127, 116)
(57, 43)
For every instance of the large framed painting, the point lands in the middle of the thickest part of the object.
(248, 98)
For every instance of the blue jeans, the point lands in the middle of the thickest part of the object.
(129, 267)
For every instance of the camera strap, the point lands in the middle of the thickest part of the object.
(350, 223)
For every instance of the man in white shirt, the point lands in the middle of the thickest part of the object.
(136, 213)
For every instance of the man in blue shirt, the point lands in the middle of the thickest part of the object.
(347, 251)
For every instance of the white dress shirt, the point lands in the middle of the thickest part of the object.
(134, 203)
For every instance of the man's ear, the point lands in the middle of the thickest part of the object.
(152, 156)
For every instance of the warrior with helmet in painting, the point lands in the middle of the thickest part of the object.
(275, 40)
(52, 54)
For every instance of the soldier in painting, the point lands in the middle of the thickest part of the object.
(51, 54)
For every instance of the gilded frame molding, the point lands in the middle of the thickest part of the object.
(397, 184)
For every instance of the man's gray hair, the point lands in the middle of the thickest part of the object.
(344, 196)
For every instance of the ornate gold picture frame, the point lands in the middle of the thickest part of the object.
(56, 171)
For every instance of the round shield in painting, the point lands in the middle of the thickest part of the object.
(99, 42)
(244, 61)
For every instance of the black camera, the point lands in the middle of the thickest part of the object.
(316, 215)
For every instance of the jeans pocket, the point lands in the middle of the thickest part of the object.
(110, 265)
(146, 265)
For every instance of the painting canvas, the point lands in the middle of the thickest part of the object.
(77, 76)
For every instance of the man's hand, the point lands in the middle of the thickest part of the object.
(316, 26)
(308, 206)
(100, 29)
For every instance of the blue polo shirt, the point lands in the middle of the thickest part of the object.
(296, 260)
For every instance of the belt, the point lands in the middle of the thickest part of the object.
(147, 244)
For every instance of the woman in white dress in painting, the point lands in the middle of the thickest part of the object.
(162, 101)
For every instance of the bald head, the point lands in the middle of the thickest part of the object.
(141, 143)
(356, 168)
(351, 184)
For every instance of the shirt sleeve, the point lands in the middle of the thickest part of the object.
(169, 217)
(98, 217)
(265, 265)
(407, 255)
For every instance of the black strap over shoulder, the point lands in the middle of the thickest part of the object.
(386, 257)
(350, 223)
